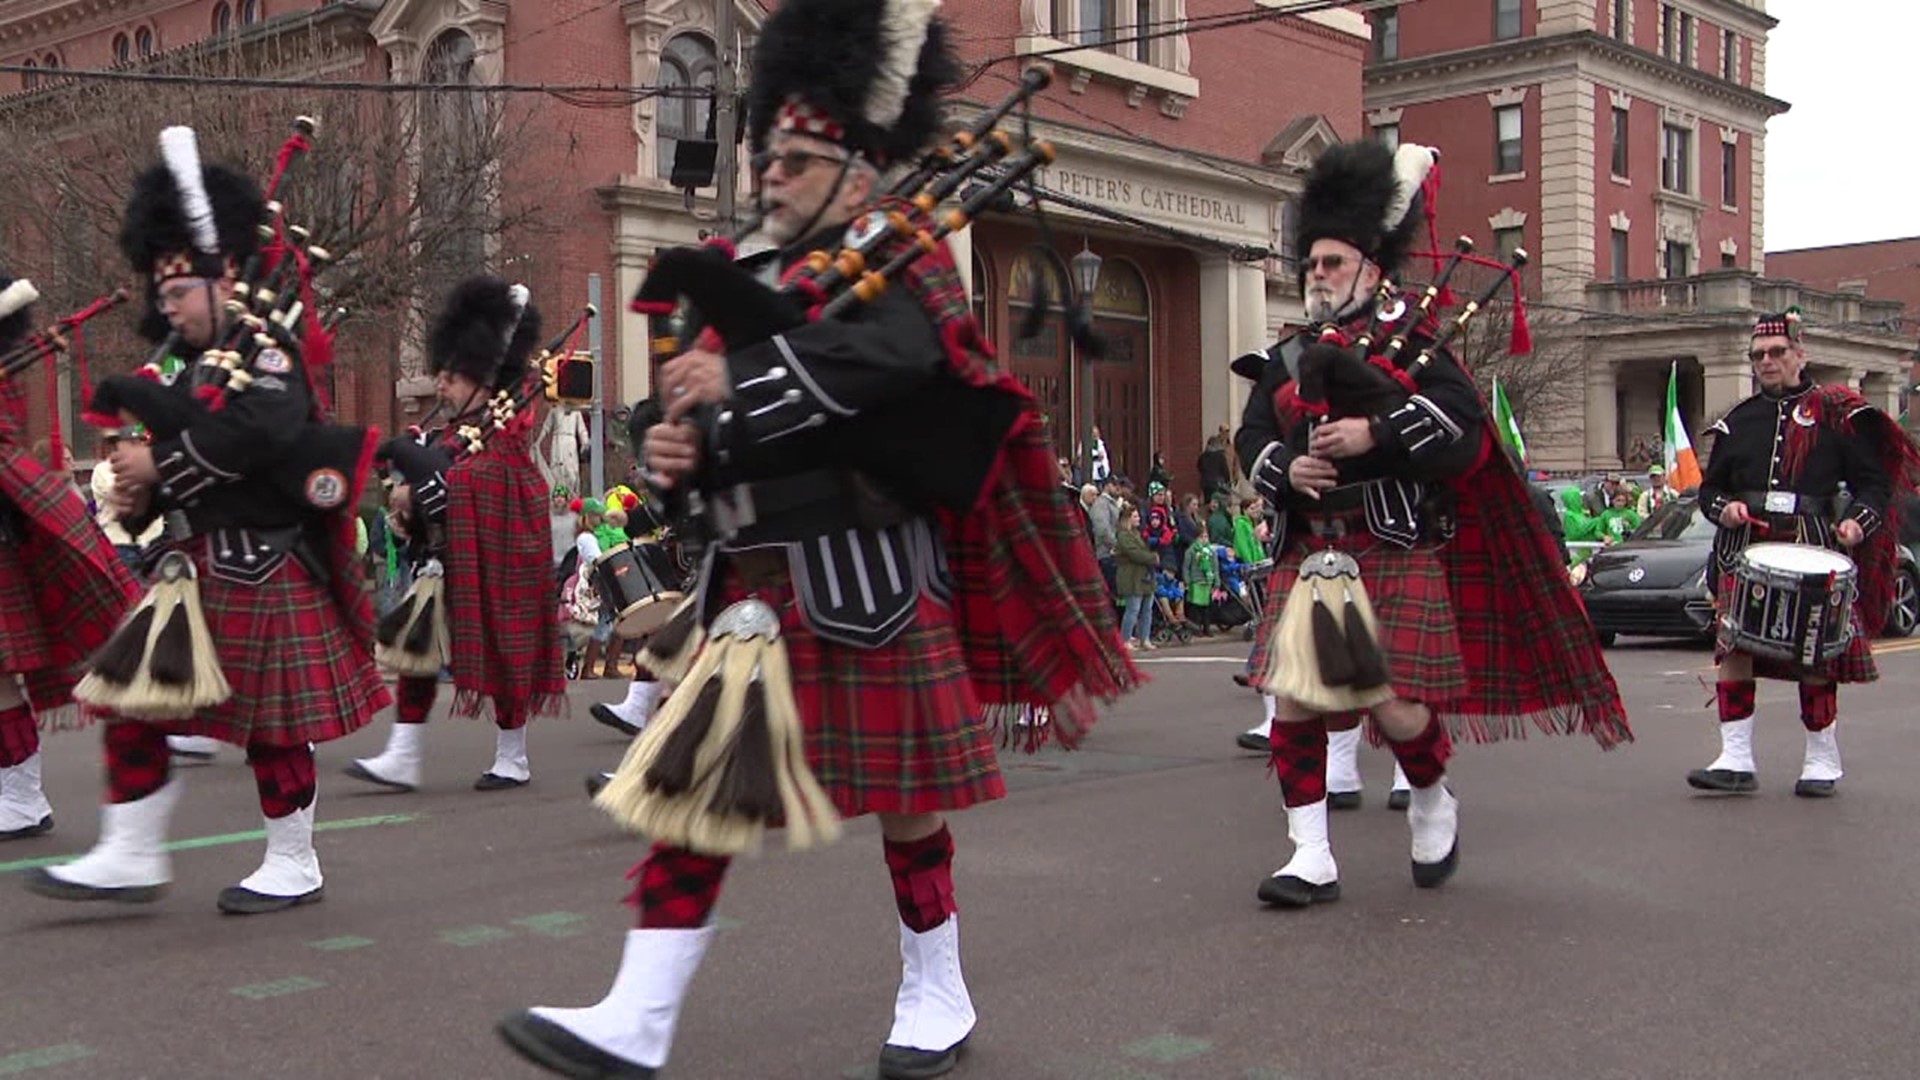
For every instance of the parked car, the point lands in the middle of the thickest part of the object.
(1655, 582)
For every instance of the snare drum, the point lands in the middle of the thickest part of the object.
(640, 584)
(1790, 602)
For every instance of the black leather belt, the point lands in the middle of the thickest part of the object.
(1788, 503)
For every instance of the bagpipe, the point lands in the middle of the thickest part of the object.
(1325, 651)
(726, 756)
(413, 638)
(270, 331)
(50, 341)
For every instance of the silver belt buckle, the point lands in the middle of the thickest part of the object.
(1781, 502)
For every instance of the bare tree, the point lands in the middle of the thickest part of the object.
(403, 190)
(1546, 387)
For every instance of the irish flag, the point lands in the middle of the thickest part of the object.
(1504, 421)
(1683, 468)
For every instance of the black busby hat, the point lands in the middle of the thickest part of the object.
(1369, 196)
(866, 74)
(486, 330)
(188, 219)
(16, 296)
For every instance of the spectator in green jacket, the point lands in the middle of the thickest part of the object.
(1202, 577)
(1619, 520)
(1247, 545)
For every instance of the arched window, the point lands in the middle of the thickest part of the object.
(143, 42)
(31, 78)
(1034, 282)
(982, 295)
(249, 12)
(122, 48)
(1120, 293)
(687, 60)
(1122, 383)
(222, 17)
(455, 159)
(51, 63)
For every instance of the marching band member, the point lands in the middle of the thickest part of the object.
(281, 591)
(1404, 507)
(482, 521)
(62, 588)
(1773, 474)
(868, 656)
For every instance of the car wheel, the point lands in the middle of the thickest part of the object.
(1607, 638)
(1903, 616)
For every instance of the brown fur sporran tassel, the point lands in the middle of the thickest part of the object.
(672, 771)
(413, 638)
(160, 664)
(669, 651)
(1369, 666)
(747, 786)
(118, 661)
(172, 663)
(1319, 656)
(1329, 644)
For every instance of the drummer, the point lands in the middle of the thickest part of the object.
(1773, 476)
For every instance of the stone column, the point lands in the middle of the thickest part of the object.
(1724, 384)
(1602, 414)
(1566, 231)
(1233, 320)
(629, 343)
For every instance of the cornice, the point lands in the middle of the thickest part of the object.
(40, 23)
(1509, 54)
(1760, 21)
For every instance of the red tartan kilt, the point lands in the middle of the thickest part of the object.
(892, 730)
(23, 636)
(1853, 665)
(1408, 588)
(297, 675)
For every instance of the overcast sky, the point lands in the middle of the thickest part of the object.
(1842, 163)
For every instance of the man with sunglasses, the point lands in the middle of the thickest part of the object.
(1773, 475)
(1475, 627)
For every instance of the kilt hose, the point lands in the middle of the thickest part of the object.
(1854, 664)
(23, 637)
(414, 696)
(896, 729)
(1408, 588)
(139, 762)
(284, 646)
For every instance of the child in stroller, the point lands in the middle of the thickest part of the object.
(1170, 606)
(1238, 601)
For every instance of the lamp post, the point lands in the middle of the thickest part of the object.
(1086, 276)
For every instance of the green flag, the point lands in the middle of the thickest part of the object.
(1509, 428)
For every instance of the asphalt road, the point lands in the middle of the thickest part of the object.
(1606, 921)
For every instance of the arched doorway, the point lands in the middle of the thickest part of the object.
(1040, 361)
(1122, 315)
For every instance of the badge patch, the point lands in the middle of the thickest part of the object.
(273, 361)
(1801, 416)
(326, 488)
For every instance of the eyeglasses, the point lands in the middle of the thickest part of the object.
(177, 290)
(792, 162)
(1331, 263)
(1771, 352)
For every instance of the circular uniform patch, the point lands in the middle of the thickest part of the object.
(326, 488)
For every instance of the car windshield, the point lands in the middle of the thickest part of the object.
(1675, 521)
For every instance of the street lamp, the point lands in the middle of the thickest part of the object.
(1086, 275)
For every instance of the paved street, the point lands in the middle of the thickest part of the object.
(1606, 921)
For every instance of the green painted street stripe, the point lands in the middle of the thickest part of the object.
(44, 1058)
(228, 838)
(558, 924)
(338, 944)
(279, 988)
(1167, 1049)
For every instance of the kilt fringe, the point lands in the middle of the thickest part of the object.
(726, 756)
(1608, 728)
(168, 674)
(413, 638)
(479, 704)
(69, 717)
(1026, 728)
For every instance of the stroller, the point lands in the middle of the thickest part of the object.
(1236, 603)
(1246, 588)
(1167, 627)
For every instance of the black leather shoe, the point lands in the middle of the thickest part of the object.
(606, 715)
(495, 782)
(558, 1050)
(1731, 781)
(1247, 740)
(1806, 789)
(360, 772)
(1289, 891)
(1432, 875)
(1241, 678)
(1345, 800)
(1399, 799)
(45, 884)
(905, 1063)
(26, 832)
(596, 782)
(235, 900)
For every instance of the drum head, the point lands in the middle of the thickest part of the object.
(643, 618)
(1798, 559)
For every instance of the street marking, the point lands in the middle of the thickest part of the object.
(227, 838)
(467, 936)
(340, 944)
(44, 1058)
(279, 988)
(1167, 1049)
(721, 922)
(861, 1072)
(1266, 1074)
(557, 924)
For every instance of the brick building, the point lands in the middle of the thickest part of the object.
(1623, 143)
(1207, 134)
